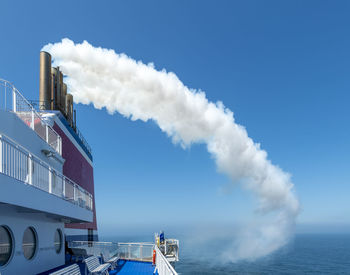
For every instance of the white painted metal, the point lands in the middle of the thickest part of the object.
(28, 114)
(17, 162)
(71, 270)
(45, 257)
(127, 251)
(18, 194)
(135, 251)
(93, 266)
(107, 249)
(162, 264)
(14, 100)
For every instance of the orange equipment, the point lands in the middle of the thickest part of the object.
(154, 257)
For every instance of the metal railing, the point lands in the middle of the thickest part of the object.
(141, 252)
(19, 163)
(39, 107)
(162, 264)
(12, 100)
(136, 251)
(107, 249)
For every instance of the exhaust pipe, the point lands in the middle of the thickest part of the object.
(45, 81)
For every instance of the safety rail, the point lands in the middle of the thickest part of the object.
(127, 251)
(39, 107)
(136, 251)
(17, 162)
(12, 100)
(107, 249)
(162, 264)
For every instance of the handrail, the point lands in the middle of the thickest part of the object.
(38, 105)
(25, 111)
(142, 243)
(135, 251)
(92, 248)
(19, 163)
(162, 264)
(126, 251)
(90, 242)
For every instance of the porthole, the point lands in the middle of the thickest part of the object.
(58, 241)
(29, 243)
(6, 245)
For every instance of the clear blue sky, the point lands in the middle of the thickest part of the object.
(283, 68)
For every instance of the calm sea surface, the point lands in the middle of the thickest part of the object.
(306, 254)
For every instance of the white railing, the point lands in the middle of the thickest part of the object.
(19, 163)
(39, 107)
(127, 251)
(12, 100)
(162, 264)
(136, 251)
(107, 249)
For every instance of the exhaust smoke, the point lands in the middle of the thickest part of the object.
(140, 92)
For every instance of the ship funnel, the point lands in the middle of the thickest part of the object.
(53, 91)
(45, 81)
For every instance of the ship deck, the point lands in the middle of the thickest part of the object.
(133, 267)
(124, 267)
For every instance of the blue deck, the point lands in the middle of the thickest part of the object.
(124, 267)
(133, 267)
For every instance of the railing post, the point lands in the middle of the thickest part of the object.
(32, 123)
(30, 172)
(50, 180)
(47, 133)
(14, 106)
(129, 248)
(5, 96)
(64, 186)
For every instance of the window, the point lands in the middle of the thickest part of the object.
(6, 245)
(29, 243)
(58, 241)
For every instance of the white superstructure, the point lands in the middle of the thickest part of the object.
(36, 200)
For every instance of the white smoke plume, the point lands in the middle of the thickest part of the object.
(140, 92)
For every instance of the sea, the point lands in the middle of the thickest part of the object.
(305, 254)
